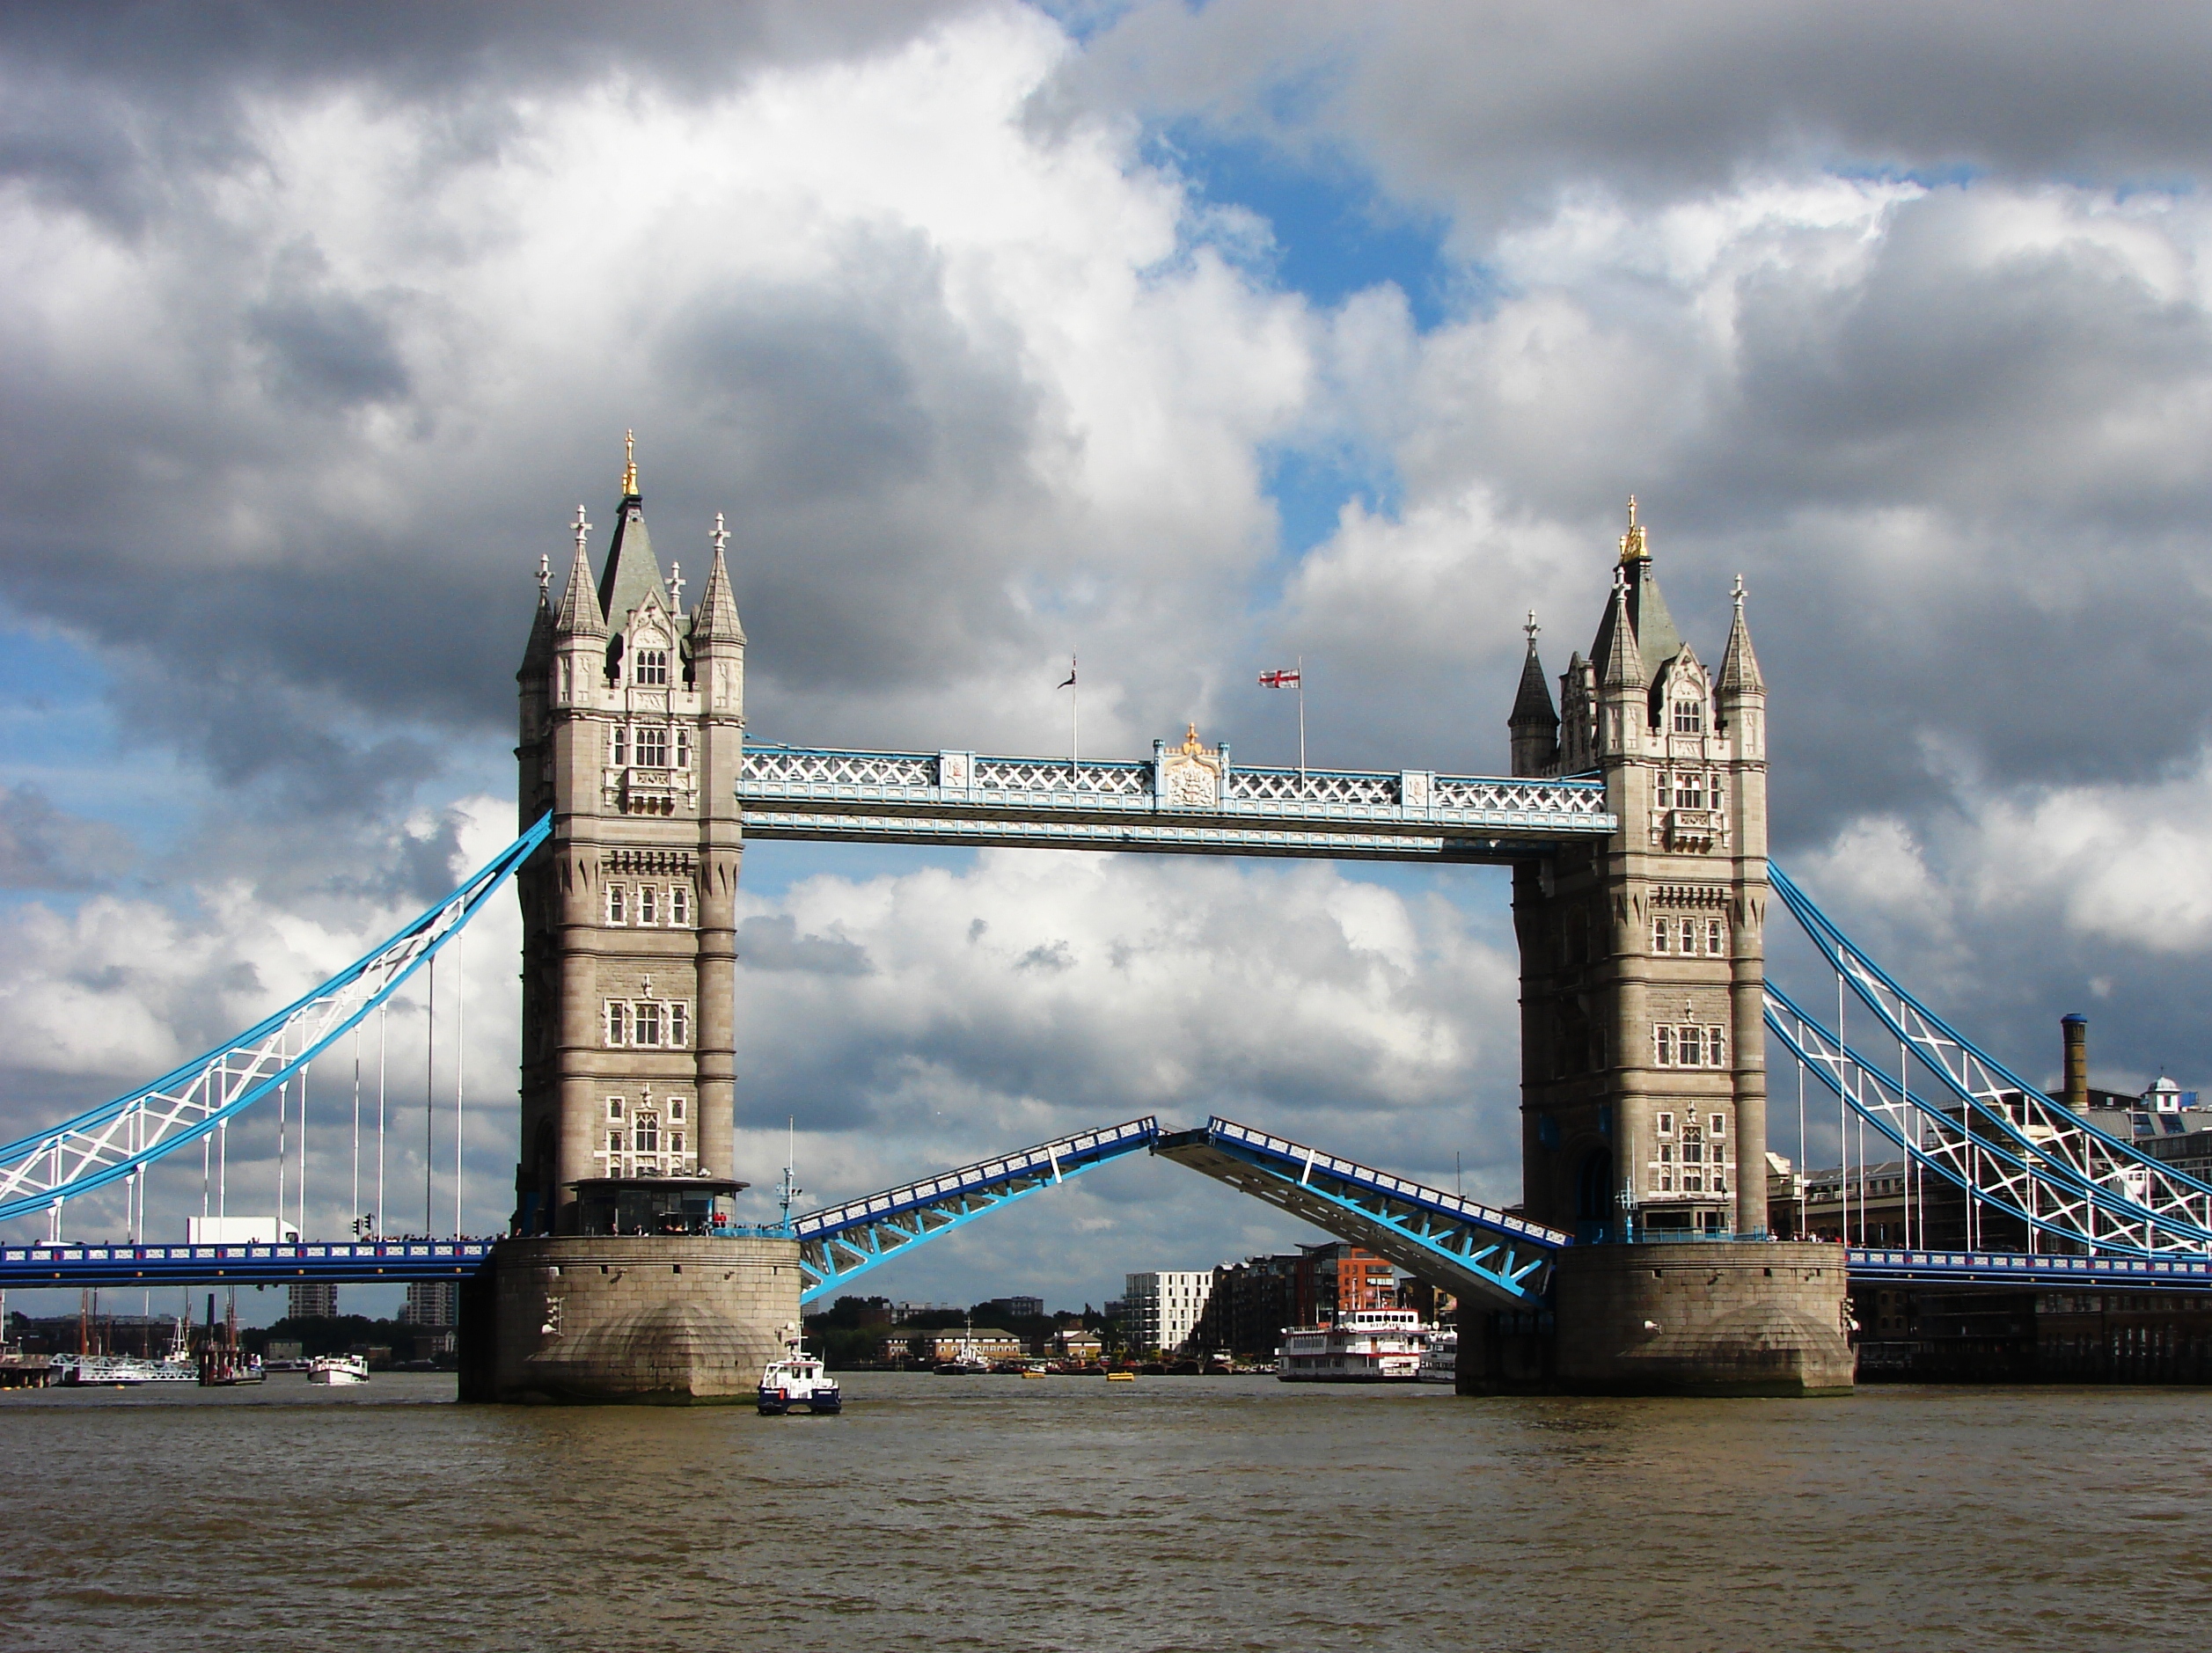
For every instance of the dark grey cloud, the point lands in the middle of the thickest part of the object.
(42, 847)
(1493, 109)
(108, 101)
(772, 942)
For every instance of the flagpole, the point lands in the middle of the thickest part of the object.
(1301, 718)
(1075, 718)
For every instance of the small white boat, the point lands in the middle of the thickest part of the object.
(798, 1379)
(1364, 1346)
(338, 1369)
(1440, 1363)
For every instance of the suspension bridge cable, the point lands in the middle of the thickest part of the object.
(353, 1213)
(380, 1074)
(429, 1102)
(108, 1143)
(283, 1100)
(460, 1064)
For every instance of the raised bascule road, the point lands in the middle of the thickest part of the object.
(1634, 822)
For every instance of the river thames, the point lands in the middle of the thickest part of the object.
(1071, 1514)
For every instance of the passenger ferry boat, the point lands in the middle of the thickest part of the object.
(1440, 1361)
(1364, 1346)
(799, 1380)
(338, 1369)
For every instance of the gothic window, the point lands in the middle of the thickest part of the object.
(683, 749)
(1713, 790)
(1692, 1046)
(646, 1136)
(651, 670)
(676, 1030)
(1664, 1124)
(1693, 1183)
(1713, 937)
(1667, 1153)
(617, 1033)
(1662, 935)
(614, 1108)
(648, 1022)
(1720, 1125)
(648, 904)
(1693, 1153)
(676, 1142)
(679, 906)
(621, 739)
(1665, 799)
(652, 749)
(1665, 1037)
(618, 903)
(1713, 1045)
(1690, 790)
(1689, 717)
(676, 1108)
(614, 1142)
(1689, 937)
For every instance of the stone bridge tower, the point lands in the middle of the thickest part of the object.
(625, 1280)
(633, 728)
(1642, 1044)
(1643, 1086)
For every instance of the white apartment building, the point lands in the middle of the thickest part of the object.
(1161, 1310)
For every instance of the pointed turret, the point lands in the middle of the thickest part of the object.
(1534, 724)
(1739, 666)
(579, 614)
(1623, 659)
(715, 618)
(631, 574)
(538, 653)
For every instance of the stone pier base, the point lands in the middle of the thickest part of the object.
(1713, 1318)
(636, 1320)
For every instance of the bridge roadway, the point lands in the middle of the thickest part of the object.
(92, 1263)
(1184, 801)
(1471, 1249)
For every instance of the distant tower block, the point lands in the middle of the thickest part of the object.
(633, 728)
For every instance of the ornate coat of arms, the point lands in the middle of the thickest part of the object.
(1190, 774)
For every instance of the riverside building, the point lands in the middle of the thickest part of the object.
(1161, 1309)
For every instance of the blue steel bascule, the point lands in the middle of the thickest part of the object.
(1621, 796)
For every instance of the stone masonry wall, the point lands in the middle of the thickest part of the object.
(670, 1321)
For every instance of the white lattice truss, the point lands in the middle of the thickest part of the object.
(1984, 1130)
(116, 1141)
(1181, 802)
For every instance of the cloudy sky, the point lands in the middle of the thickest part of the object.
(1193, 339)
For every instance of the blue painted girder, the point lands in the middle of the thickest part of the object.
(838, 1245)
(2042, 1270)
(343, 1261)
(1470, 1250)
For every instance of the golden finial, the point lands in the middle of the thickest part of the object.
(1190, 746)
(1632, 546)
(629, 463)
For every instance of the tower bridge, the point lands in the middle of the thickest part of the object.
(1634, 825)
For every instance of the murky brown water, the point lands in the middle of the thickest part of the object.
(1173, 1513)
